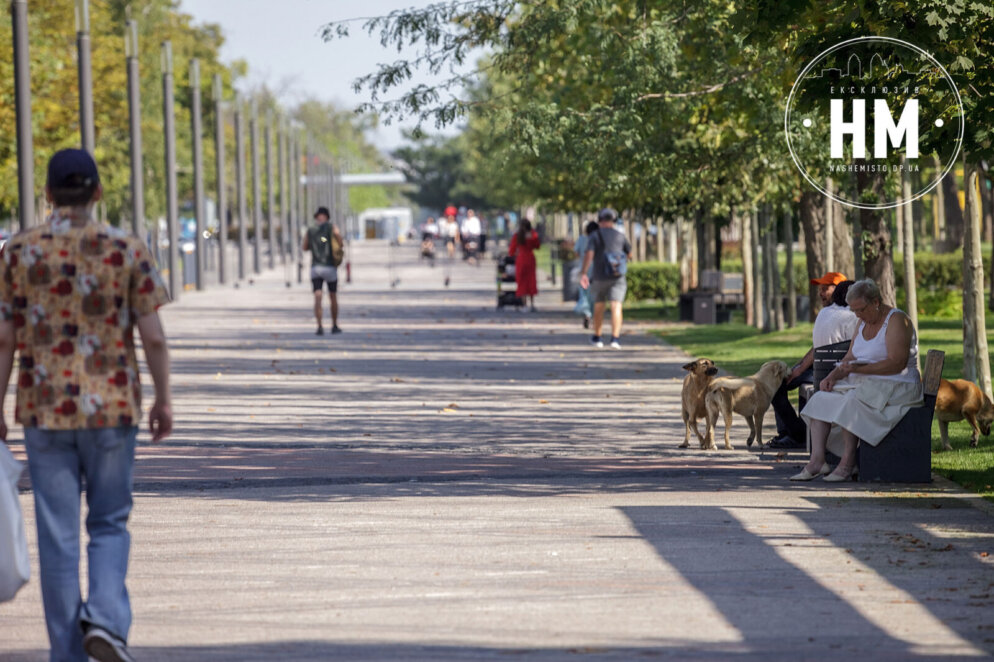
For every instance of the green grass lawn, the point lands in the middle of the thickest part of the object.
(740, 350)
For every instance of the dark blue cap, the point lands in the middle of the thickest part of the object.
(607, 214)
(72, 168)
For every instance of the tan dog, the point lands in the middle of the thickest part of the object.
(959, 399)
(748, 396)
(695, 386)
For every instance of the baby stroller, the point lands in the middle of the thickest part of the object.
(505, 278)
(428, 248)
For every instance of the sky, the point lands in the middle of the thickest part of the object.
(281, 41)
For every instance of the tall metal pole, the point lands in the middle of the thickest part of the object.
(22, 105)
(240, 187)
(135, 125)
(172, 204)
(256, 190)
(85, 73)
(291, 190)
(199, 208)
(300, 169)
(271, 217)
(222, 190)
(284, 198)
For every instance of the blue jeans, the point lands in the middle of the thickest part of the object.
(59, 461)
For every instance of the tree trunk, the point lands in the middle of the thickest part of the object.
(671, 243)
(899, 227)
(748, 285)
(659, 240)
(688, 262)
(772, 227)
(939, 211)
(759, 317)
(769, 267)
(878, 263)
(953, 213)
(987, 201)
(788, 241)
(910, 282)
(976, 360)
(812, 211)
(829, 227)
(842, 235)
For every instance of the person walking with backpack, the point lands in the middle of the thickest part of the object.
(72, 291)
(609, 252)
(324, 241)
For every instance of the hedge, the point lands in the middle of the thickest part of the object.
(939, 278)
(657, 281)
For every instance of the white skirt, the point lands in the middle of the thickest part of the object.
(870, 408)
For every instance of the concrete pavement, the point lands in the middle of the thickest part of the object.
(443, 481)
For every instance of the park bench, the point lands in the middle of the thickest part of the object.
(717, 294)
(905, 454)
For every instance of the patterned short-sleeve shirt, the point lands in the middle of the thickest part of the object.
(73, 294)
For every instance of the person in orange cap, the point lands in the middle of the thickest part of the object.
(834, 324)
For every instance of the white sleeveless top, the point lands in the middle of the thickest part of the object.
(876, 350)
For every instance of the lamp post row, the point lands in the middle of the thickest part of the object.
(302, 182)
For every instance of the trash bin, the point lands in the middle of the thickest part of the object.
(571, 280)
(188, 254)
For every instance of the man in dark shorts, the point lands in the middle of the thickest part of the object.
(609, 252)
(324, 241)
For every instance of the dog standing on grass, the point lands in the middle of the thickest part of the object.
(695, 386)
(959, 399)
(748, 396)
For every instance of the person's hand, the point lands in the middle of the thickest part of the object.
(160, 421)
(584, 281)
(827, 384)
(795, 373)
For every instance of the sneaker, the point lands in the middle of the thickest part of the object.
(596, 341)
(320, 331)
(586, 322)
(335, 329)
(615, 344)
(103, 646)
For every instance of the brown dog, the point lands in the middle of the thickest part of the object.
(748, 396)
(959, 399)
(695, 386)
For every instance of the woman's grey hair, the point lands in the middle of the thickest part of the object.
(864, 289)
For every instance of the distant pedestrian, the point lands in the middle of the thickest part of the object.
(324, 241)
(524, 243)
(608, 251)
(450, 230)
(72, 290)
(469, 232)
(583, 305)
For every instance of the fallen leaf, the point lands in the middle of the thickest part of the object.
(543, 402)
(453, 405)
(448, 411)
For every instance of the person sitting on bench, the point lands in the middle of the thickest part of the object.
(835, 323)
(871, 389)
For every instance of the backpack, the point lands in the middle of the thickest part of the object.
(326, 248)
(615, 262)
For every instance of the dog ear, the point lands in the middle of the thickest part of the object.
(690, 366)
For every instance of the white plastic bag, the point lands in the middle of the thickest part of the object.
(15, 567)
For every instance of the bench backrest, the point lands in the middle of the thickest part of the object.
(718, 281)
(932, 374)
(825, 358)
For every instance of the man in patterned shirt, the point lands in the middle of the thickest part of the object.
(71, 292)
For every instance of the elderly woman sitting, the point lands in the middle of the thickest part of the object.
(869, 391)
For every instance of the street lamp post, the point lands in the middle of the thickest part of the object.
(135, 128)
(172, 205)
(271, 217)
(256, 189)
(22, 105)
(222, 191)
(240, 186)
(85, 73)
(199, 208)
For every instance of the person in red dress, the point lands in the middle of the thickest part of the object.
(523, 245)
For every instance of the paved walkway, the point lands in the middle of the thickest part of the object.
(443, 481)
